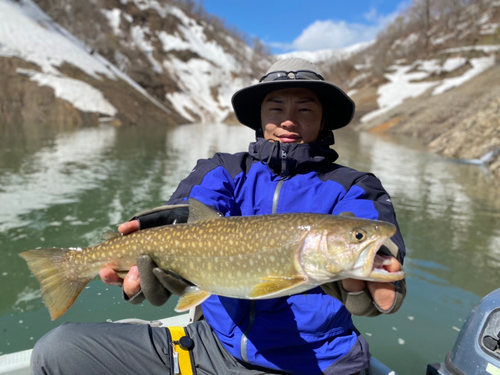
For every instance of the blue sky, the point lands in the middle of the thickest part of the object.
(290, 25)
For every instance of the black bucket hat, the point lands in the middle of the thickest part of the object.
(338, 108)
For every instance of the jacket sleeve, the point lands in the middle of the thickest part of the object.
(367, 198)
(210, 183)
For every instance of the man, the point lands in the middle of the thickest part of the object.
(290, 168)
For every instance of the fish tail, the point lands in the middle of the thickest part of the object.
(60, 288)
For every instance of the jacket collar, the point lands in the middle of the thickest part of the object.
(289, 159)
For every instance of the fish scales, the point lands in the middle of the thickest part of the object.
(241, 257)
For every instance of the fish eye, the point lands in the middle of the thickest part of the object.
(359, 234)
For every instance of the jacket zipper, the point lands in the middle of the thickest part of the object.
(276, 197)
(277, 191)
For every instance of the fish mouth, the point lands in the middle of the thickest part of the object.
(373, 270)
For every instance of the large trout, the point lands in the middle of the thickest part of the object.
(251, 257)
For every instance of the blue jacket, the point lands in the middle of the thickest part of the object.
(306, 333)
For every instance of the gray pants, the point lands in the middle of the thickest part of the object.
(116, 348)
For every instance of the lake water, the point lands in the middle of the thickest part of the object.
(63, 189)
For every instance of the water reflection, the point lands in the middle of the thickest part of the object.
(68, 188)
(55, 174)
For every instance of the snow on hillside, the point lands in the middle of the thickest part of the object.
(37, 40)
(42, 42)
(408, 81)
(208, 79)
(205, 80)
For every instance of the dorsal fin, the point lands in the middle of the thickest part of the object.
(347, 214)
(198, 211)
(109, 235)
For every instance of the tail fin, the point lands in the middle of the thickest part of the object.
(60, 288)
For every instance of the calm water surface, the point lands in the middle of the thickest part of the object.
(65, 189)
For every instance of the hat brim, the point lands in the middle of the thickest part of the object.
(338, 108)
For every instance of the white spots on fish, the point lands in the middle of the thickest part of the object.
(305, 227)
(20, 322)
(5, 273)
(394, 329)
(401, 341)
(76, 248)
(456, 328)
(411, 317)
(368, 334)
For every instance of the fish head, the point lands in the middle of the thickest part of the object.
(347, 248)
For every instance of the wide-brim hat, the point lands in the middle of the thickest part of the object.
(338, 107)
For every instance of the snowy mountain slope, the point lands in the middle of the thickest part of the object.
(184, 66)
(28, 34)
(441, 85)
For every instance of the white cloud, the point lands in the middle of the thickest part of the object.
(336, 34)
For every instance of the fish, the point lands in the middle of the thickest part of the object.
(248, 257)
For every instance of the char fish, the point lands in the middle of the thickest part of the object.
(251, 257)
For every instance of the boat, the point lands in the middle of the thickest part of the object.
(476, 350)
(18, 363)
(477, 347)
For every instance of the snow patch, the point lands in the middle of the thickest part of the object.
(139, 39)
(479, 65)
(114, 19)
(398, 89)
(402, 82)
(82, 95)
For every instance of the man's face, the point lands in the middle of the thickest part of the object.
(291, 115)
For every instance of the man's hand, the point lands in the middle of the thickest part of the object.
(131, 283)
(383, 294)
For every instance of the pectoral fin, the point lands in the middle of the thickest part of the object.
(275, 284)
(191, 297)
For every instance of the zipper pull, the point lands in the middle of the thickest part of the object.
(283, 163)
(175, 356)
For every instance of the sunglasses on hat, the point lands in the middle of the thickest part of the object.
(282, 75)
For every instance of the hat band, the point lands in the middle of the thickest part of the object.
(282, 75)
